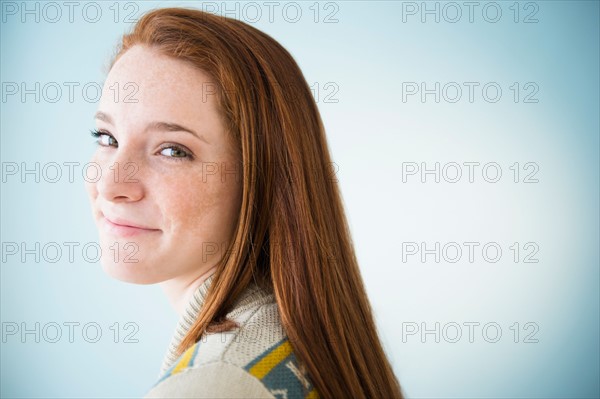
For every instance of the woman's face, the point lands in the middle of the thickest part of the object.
(179, 189)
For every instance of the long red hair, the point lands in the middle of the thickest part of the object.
(291, 234)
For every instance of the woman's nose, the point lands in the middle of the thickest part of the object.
(120, 180)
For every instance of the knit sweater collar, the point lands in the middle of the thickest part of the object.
(248, 298)
(186, 320)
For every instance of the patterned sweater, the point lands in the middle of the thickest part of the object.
(253, 361)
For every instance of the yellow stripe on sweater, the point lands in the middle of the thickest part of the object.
(185, 360)
(263, 367)
(312, 394)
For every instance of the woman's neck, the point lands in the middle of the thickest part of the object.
(179, 290)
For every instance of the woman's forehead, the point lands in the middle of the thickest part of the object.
(144, 83)
(155, 71)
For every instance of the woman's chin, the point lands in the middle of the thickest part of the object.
(134, 273)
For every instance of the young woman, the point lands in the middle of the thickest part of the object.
(217, 183)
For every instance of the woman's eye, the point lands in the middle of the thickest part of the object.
(104, 139)
(107, 140)
(175, 152)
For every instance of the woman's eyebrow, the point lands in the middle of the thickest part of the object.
(158, 126)
(172, 127)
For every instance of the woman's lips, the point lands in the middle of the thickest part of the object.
(123, 230)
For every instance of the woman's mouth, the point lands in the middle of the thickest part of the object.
(123, 228)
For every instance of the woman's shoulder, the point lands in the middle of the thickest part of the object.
(254, 360)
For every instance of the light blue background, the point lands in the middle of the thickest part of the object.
(368, 53)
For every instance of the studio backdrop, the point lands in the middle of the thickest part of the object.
(465, 141)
